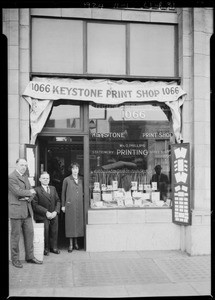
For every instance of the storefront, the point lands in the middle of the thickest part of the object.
(101, 92)
(119, 132)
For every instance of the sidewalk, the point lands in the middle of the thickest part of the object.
(113, 274)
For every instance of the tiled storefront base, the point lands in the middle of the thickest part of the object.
(131, 230)
(146, 229)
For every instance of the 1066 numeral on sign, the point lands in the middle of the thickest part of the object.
(133, 114)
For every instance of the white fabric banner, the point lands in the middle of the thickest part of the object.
(41, 92)
(103, 91)
(39, 112)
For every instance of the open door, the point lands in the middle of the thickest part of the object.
(55, 157)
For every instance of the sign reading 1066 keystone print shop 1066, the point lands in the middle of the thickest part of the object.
(181, 183)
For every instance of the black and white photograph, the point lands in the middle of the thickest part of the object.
(109, 149)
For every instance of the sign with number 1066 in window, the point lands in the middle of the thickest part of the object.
(131, 114)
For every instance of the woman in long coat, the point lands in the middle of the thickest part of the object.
(72, 205)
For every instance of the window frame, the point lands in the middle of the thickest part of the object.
(127, 76)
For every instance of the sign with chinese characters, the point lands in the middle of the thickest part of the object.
(180, 154)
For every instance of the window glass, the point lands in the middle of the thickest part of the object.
(64, 115)
(126, 144)
(152, 50)
(106, 48)
(57, 45)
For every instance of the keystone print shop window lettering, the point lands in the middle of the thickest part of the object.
(130, 156)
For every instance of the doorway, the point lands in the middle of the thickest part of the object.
(55, 156)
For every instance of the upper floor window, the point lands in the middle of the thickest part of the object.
(107, 48)
(57, 46)
(153, 50)
(106, 51)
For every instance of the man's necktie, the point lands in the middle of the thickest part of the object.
(48, 189)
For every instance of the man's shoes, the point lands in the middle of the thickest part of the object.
(34, 261)
(55, 251)
(70, 249)
(46, 252)
(17, 264)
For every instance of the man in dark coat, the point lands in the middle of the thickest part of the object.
(162, 182)
(46, 207)
(20, 213)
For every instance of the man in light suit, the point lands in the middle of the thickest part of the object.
(20, 213)
(46, 207)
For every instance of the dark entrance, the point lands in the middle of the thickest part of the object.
(55, 157)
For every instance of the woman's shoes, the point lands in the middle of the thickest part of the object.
(76, 247)
(70, 249)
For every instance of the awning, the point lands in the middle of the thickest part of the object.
(41, 92)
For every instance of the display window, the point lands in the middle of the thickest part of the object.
(130, 155)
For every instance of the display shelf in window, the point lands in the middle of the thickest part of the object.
(109, 191)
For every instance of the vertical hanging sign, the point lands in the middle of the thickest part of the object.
(180, 161)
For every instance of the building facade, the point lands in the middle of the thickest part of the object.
(62, 61)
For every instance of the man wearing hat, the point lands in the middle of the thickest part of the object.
(162, 182)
